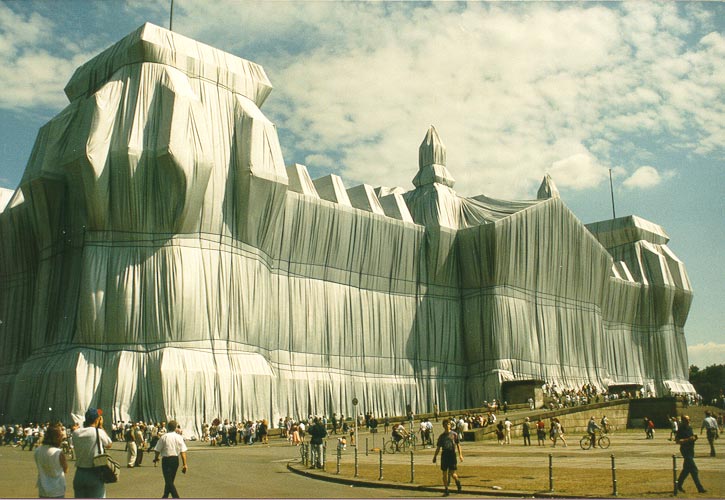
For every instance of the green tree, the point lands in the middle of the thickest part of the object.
(709, 383)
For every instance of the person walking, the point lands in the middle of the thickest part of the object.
(709, 424)
(673, 427)
(686, 439)
(131, 446)
(557, 431)
(170, 447)
(87, 482)
(52, 464)
(449, 442)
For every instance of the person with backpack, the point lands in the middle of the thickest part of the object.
(449, 444)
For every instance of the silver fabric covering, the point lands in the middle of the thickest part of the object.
(158, 260)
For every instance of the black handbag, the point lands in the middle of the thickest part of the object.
(108, 469)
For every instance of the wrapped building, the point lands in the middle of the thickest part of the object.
(159, 260)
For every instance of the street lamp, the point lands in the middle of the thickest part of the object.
(354, 405)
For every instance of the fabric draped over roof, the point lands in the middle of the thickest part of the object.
(160, 260)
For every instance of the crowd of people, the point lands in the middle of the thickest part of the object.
(56, 444)
(231, 433)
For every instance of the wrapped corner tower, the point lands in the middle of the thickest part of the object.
(158, 262)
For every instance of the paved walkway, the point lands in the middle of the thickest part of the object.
(644, 469)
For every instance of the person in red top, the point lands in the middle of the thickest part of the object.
(541, 432)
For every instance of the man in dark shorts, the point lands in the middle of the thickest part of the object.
(449, 443)
(686, 438)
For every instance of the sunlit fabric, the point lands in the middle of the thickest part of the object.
(160, 260)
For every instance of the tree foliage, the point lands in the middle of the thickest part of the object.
(710, 382)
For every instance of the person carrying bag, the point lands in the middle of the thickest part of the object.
(90, 443)
(108, 469)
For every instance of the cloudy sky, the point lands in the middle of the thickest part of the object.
(515, 90)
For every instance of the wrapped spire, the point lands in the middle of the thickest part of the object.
(432, 162)
(547, 189)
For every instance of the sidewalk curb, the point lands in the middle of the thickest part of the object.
(298, 468)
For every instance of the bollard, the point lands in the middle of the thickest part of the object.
(339, 457)
(412, 467)
(356, 474)
(380, 478)
(382, 446)
(366, 447)
(551, 472)
(324, 455)
(302, 455)
(674, 475)
(614, 478)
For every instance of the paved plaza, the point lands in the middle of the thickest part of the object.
(643, 469)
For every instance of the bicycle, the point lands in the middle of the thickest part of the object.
(601, 440)
(402, 445)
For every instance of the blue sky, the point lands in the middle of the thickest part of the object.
(515, 90)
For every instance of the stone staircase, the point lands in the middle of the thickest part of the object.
(573, 419)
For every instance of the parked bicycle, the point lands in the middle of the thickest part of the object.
(402, 445)
(601, 440)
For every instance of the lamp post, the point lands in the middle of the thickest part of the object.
(354, 405)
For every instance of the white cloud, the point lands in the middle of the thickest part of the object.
(31, 75)
(704, 355)
(515, 90)
(646, 177)
(579, 171)
(505, 100)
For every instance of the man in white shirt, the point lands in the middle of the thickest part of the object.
(713, 432)
(170, 447)
(507, 431)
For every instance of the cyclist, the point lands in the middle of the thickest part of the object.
(399, 434)
(592, 429)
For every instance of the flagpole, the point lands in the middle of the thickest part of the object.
(611, 190)
(171, 17)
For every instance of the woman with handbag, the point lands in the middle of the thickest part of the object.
(90, 441)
